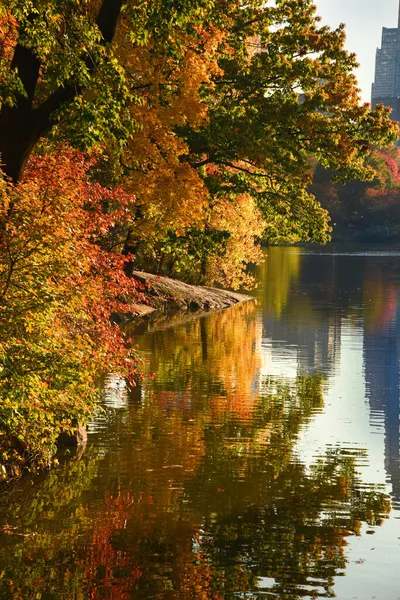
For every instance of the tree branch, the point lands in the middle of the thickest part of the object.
(233, 166)
(202, 163)
(225, 163)
(107, 19)
(28, 66)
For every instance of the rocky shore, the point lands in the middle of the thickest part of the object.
(170, 295)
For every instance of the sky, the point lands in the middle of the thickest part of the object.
(364, 20)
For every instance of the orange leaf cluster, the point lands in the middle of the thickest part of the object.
(170, 95)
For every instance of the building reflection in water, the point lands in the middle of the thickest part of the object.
(381, 363)
(310, 298)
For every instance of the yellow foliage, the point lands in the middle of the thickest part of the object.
(242, 219)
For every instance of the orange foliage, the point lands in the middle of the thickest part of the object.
(170, 193)
(8, 33)
(59, 217)
(221, 352)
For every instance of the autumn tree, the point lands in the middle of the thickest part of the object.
(58, 65)
(61, 281)
(62, 245)
(282, 91)
(369, 209)
(286, 93)
(206, 115)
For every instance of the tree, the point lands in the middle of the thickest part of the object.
(368, 209)
(256, 139)
(286, 93)
(272, 88)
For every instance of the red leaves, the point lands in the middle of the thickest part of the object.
(61, 279)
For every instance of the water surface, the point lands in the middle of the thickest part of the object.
(259, 457)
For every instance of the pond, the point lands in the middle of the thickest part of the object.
(258, 458)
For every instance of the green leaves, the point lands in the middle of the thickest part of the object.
(286, 94)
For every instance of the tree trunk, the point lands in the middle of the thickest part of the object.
(17, 123)
(18, 137)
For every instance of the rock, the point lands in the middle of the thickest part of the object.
(77, 438)
(167, 293)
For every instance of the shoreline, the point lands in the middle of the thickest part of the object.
(167, 295)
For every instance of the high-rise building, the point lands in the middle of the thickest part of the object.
(386, 87)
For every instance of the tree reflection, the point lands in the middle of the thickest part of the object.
(273, 518)
(195, 490)
(280, 270)
(216, 355)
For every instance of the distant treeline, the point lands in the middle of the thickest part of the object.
(363, 210)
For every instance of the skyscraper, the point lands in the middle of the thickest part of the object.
(386, 87)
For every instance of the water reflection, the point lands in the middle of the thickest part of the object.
(382, 361)
(330, 293)
(202, 483)
(300, 320)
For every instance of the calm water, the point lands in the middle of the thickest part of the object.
(258, 459)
